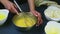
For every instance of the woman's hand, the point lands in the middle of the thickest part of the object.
(9, 5)
(38, 15)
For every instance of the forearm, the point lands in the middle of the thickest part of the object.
(31, 5)
(3, 0)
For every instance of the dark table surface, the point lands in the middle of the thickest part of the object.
(10, 28)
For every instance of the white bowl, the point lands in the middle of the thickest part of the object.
(52, 27)
(52, 10)
(5, 13)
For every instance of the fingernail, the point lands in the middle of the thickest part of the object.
(17, 13)
(36, 15)
(36, 25)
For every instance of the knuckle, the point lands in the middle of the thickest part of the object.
(9, 8)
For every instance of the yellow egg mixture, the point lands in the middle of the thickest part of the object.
(24, 21)
(2, 16)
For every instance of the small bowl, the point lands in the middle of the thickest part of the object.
(50, 8)
(3, 15)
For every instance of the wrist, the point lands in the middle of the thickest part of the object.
(32, 10)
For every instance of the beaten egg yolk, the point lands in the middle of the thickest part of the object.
(2, 16)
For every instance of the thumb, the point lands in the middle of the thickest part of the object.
(14, 10)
